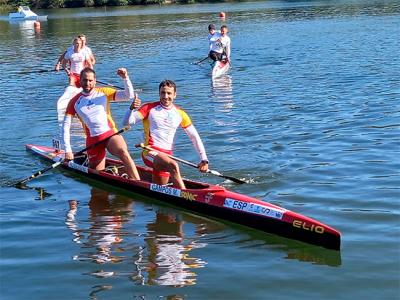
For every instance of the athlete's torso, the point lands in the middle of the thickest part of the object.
(219, 42)
(160, 124)
(94, 110)
(76, 59)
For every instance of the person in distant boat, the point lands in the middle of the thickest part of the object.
(92, 106)
(160, 121)
(75, 60)
(211, 31)
(85, 49)
(220, 45)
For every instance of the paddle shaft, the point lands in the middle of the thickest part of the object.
(141, 145)
(56, 164)
(40, 71)
(116, 86)
(200, 61)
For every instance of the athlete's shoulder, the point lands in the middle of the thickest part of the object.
(71, 104)
(145, 109)
(105, 90)
(179, 108)
(152, 104)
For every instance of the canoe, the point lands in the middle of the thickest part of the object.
(25, 13)
(219, 68)
(206, 199)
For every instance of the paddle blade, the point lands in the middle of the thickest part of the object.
(237, 180)
(38, 173)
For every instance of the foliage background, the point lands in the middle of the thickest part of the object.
(12, 4)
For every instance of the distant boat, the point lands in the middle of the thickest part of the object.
(219, 68)
(25, 13)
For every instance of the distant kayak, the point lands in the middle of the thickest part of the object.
(219, 68)
(206, 199)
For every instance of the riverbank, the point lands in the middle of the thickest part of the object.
(8, 6)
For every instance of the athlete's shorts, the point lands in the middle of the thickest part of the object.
(215, 55)
(148, 157)
(76, 79)
(98, 152)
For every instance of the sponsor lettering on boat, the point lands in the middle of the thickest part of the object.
(78, 167)
(188, 196)
(164, 189)
(254, 208)
(311, 227)
(208, 197)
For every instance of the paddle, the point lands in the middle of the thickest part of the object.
(200, 61)
(40, 71)
(141, 145)
(56, 164)
(116, 86)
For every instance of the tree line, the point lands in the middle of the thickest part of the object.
(12, 4)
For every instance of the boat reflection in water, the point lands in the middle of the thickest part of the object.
(104, 235)
(221, 88)
(27, 28)
(169, 260)
(154, 247)
(158, 245)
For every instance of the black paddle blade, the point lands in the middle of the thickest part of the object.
(40, 71)
(38, 173)
(236, 180)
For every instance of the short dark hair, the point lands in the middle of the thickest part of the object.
(211, 26)
(168, 83)
(88, 70)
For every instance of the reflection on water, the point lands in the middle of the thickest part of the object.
(169, 259)
(160, 258)
(104, 236)
(27, 28)
(42, 194)
(221, 88)
(158, 248)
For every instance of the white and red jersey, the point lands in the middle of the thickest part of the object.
(93, 110)
(209, 36)
(219, 43)
(160, 124)
(77, 59)
(87, 51)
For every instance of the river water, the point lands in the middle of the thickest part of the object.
(309, 114)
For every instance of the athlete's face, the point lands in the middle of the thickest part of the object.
(167, 96)
(77, 44)
(88, 81)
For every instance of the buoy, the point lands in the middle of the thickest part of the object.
(222, 15)
(36, 24)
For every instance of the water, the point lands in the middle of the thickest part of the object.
(309, 114)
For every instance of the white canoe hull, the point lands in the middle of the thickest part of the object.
(220, 68)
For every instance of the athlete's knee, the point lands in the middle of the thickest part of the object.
(173, 167)
(123, 153)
